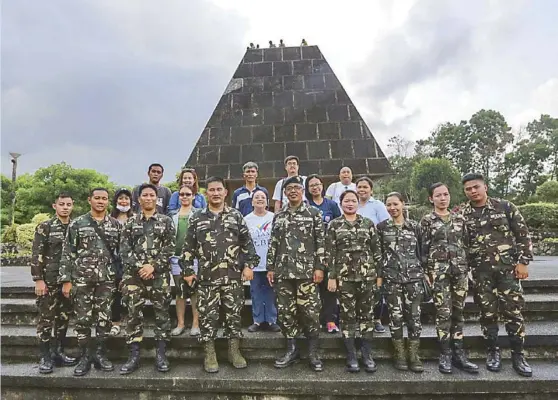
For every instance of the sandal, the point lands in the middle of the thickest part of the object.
(115, 330)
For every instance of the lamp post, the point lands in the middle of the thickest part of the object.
(15, 156)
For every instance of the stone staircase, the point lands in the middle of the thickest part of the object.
(21, 380)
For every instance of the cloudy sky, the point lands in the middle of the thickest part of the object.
(116, 84)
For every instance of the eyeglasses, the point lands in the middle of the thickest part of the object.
(293, 188)
(185, 194)
(315, 185)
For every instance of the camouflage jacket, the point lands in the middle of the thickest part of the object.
(47, 250)
(442, 243)
(400, 249)
(147, 241)
(85, 257)
(352, 249)
(218, 242)
(296, 247)
(496, 234)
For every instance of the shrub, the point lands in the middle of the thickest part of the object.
(25, 234)
(10, 234)
(543, 216)
(548, 192)
(40, 218)
(418, 211)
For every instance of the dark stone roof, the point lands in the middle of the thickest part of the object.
(284, 101)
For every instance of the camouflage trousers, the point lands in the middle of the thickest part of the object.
(449, 293)
(231, 298)
(135, 292)
(404, 301)
(298, 307)
(357, 308)
(497, 289)
(92, 299)
(54, 313)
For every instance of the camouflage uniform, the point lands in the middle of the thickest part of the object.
(54, 308)
(296, 249)
(218, 242)
(147, 241)
(402, 276)
(497, 240)
(353, 256)
(88, 264)
(444, 258)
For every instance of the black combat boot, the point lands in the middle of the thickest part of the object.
(133, 360)
(291, 356)
(45, 363)
(161, 361)
(415, 364)
(460, 359)
(444, 363)
(519, 362)
(84, 363)
(352, 361)
(60, 358)
(367, 360)
(399, 359)
(100, 359)
(313, 356)
(493, 354)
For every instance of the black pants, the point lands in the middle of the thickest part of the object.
(117, 302)
(330, 309)
(380, 307)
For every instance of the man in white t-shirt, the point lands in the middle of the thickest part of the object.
(335, 190)
(279, 198)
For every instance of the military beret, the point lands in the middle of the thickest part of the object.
(293, 179)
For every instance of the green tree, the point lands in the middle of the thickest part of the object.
(36, 193)
(548, 192)
(431, 170)
(546, 130)
(6, 200)
(453, 142)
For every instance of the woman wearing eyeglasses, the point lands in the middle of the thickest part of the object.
(189, 178)
(181, 221)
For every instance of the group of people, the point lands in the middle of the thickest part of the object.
(324, 256)
(272, 45)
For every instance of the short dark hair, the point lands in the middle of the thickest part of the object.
(64, 195)
(102, 189)
(472, 176)
(155, 165)
(396, 194)
(212, 179)
(264, 192)
(307, 186)
(365, 179)
(344, 194)
(289, 158)
(144, 186)
(434, 187)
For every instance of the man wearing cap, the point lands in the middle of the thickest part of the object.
(295, 265)
(242, 197)
(291, 166)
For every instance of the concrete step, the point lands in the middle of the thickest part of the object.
(20, 343)
(538, 307)
(261, 380)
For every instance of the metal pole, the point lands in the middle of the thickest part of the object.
(14, 176)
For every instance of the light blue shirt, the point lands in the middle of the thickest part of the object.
(374, 210)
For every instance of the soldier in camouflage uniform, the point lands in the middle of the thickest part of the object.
(499, 248)
(219, 238)
(296, 263)
(444, 261)
(54, 308)
(146, 246)
(402, 276)
(353, 255)
(88, 272)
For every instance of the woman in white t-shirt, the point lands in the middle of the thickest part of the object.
(259, 223)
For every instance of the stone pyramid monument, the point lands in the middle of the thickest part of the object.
(284, 101)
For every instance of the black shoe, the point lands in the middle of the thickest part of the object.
(84, 364)
(291, 356)
(460, 360)
(100, 360)
(274, 328)
(494, 359)
(520, 364)
(367, 360)
(313, 357)
(59, 358)
(444, 363)
(45, 364)
(161, 361)
(352, 361)
(254, 328)
(133, 360)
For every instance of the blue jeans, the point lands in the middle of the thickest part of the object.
(263, 299)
